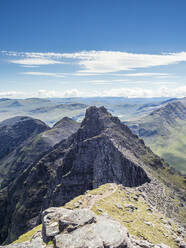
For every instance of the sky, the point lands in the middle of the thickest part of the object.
(84, 48)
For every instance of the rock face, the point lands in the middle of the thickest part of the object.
(63, 228)
(102, 150)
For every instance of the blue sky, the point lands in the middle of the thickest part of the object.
(64, 48)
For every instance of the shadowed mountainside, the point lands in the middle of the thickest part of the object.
(24, 140)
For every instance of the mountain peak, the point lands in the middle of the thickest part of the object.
(98, 119)
(64, 122)
(96, 113)
(171, 110)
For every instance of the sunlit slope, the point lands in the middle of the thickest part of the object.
(164, 130)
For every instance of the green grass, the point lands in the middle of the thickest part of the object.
(27, 236)
(171, 147)
(134, 221)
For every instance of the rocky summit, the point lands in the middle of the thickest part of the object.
(102, 150)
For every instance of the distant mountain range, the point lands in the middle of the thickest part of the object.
(164, 130)
(52, 110)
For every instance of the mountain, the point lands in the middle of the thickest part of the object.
(46, 110)
(103, 150)
(53, 109)
(25, 143)
(164, 130)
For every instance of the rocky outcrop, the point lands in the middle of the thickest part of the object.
(82, 228)
(63, 228)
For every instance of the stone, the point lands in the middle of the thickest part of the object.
(161, 246)
(150, 210)
(136, 198)
(142, 243)
(103, 233)
(73, 219)
(130, 207)
(119, 206)
(182, 244)
(148, 223)
(50, 224)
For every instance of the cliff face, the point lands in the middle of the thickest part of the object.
(102, 150)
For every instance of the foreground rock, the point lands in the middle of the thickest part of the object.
(63, 228)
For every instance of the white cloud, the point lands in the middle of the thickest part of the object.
(119, 92)
(30, 66)
(146, 74)
(48, 74)
(97, 62)
(35, 61)
(108, 81)
(41, 94)
(13, 94)
(141, 92)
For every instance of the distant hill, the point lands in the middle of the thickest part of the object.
(164, 130)
(53, 109)
(46, 110)
(23, 140)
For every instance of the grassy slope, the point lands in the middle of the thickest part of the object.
(172, 147)
(156, 233)
(115, 205)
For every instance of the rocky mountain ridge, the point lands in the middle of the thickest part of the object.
(102, 150)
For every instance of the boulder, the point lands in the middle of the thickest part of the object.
(82, 228)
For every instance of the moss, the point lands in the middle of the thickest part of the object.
(27, 236)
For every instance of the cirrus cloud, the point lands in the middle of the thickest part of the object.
(35, 61)
(98, 62)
